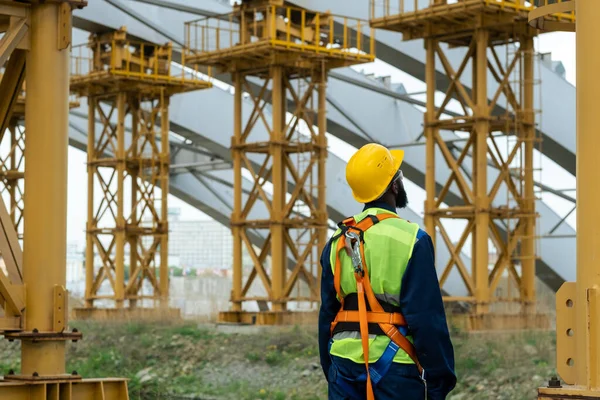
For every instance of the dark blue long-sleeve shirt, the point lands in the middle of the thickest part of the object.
(422, 306)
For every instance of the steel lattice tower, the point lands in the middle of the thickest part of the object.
(496, 207)
(127, 83)
(289, 51)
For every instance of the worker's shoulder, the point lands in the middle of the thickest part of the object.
(421, 234)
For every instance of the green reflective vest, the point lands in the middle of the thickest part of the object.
(388, 248)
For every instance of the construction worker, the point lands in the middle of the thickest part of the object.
(380, 295)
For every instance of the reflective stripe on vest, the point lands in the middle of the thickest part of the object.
(388, 248)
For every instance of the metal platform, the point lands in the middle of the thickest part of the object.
(454, 23)
(288, 36)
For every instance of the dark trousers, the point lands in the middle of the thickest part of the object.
(402, 381)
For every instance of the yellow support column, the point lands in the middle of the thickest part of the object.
(236, 217)
(164, 188)
(89, 237)
(578, 303)
(528, 241)
(587, 317)
(120, 220)
(430, 134)
(45, 327)
(278, 247)
(46, 122)
(481, 203)
(321, 78)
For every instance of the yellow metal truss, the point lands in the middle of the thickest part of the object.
(505, 140)
(36, 42)
(291, 50)
(128, 170)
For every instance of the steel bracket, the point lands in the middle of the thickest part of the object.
(37, 336)
(565, 332)
(43, 378)
(64, 26)
(61, 307)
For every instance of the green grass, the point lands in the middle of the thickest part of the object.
(166, 361)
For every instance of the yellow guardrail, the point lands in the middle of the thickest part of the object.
(294, 28)
(131, 59)
(391, 8)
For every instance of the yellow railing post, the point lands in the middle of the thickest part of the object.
(358, 36)
(170, 52)
(302, 23)
(142, 61)
(331, 31)
(289, 24)
(372, 45)
(128, 61)
(112, 57)
(345, 32)
(273, 21)
(318, 32)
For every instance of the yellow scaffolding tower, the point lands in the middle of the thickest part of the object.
(128, 83)
(486, 28)
(33, 299)
(289, 51)
(578, 303)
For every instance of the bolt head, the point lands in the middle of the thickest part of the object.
(554, 382)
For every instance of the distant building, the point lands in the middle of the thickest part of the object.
(75, 264)
(200, 244)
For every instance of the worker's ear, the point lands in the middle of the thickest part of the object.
(396, 187)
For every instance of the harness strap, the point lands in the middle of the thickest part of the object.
(364, 331)
(373, 317)
(390, 330)
(363, 285)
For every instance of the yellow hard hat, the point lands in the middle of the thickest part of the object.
(370, 171)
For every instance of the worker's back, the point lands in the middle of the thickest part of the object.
(388, 246)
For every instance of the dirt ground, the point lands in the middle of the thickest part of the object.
(187, 361)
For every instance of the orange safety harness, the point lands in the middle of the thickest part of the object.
(352, 234)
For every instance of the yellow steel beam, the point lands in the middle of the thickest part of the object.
(10, 247)
(12, 38)
(11, 85)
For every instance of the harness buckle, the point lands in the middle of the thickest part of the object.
(354, 252)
